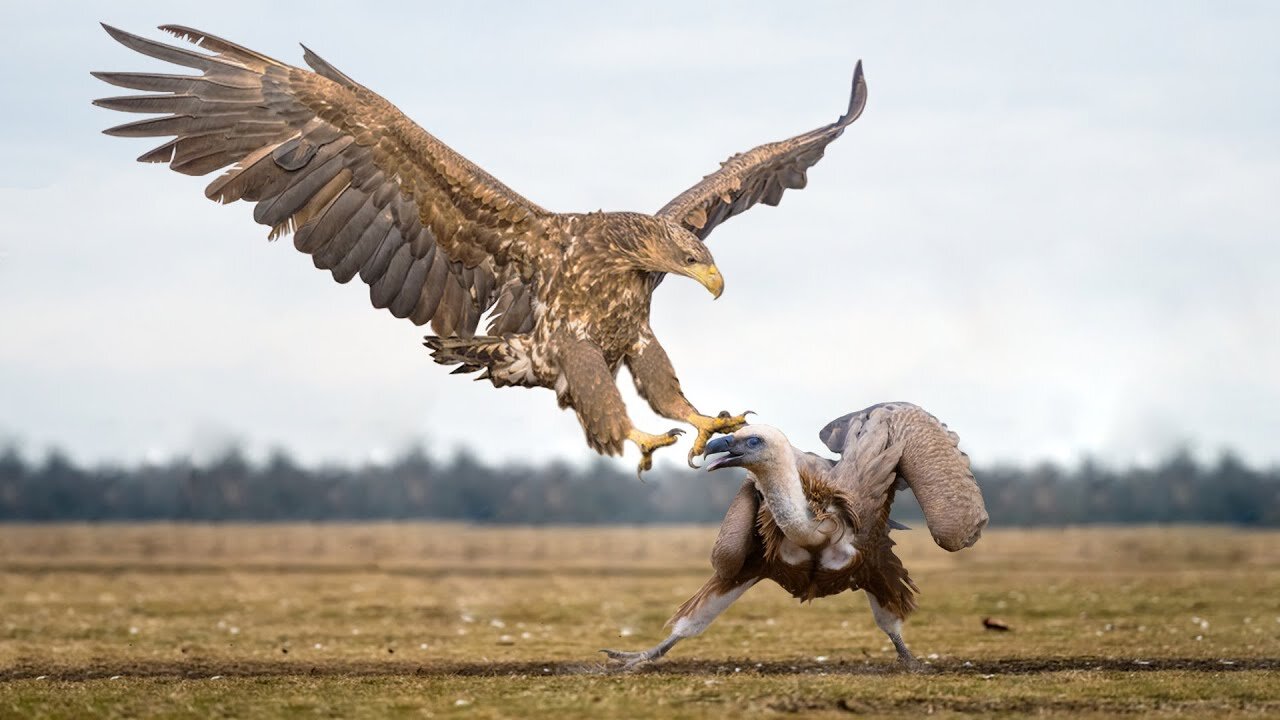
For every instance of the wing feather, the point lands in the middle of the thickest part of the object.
(432, 291)
(344, 261)
(738, 538)
(885, 442)
(376, 265)
(315, 234)
(411, 288)
(304, 184)
(205, 88)
(388, 287)
(363, 188)
(513, 311)
(762, 174)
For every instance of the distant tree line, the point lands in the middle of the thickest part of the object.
(414, 486)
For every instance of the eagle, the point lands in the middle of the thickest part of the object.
(366, 192)
(819, 527)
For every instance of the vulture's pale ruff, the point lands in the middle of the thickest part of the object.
(367, 192)
(818, 527)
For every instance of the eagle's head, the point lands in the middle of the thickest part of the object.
(752, 447)
(676, 250)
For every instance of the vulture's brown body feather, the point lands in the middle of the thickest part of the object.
(368, 193)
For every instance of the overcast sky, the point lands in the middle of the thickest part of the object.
(1055, 226)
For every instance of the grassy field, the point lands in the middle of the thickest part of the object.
(432, 620)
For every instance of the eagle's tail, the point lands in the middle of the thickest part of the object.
(500, 358)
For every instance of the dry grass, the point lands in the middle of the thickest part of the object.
(411, 619)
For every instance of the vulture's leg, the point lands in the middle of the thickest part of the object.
(690, 620)
(891, 624)
(656, 382)
(588, 385)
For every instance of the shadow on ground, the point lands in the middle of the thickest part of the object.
(395, 668)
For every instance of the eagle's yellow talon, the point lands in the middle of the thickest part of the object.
(709, 426)
(649, 443)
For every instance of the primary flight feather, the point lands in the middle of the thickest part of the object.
(367, 192)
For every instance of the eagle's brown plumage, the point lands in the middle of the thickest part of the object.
(818, 527)
(366, 192)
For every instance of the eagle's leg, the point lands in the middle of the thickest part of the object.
(587, 384)
(709, 426)
(650, 443)
(656, 382)
(690, 620)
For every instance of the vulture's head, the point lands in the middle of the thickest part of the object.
(676, 250)
(754, 447)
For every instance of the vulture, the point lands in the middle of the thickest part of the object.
(819, 527)
(366, 192)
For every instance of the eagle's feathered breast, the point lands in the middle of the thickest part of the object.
(597, 292)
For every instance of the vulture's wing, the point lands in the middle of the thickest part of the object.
(889, 441)
(761, 174)
(737, 539)
(812, 465)
(363, 189)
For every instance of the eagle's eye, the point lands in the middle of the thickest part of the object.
(690, 260)
(754, 442)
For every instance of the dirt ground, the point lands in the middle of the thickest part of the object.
(414, 620)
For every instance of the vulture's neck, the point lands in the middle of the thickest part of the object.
(779, 483)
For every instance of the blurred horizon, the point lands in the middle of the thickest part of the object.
(1053, 228)
(467, 487)
(258, 454)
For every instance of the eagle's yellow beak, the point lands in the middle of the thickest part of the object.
(709, 276)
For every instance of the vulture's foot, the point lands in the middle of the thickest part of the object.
(649, 443)
(912, 665)
(631, 660)
(907, 661)
(708, 426)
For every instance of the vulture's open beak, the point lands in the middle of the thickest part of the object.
(722, 444)
(709, 276)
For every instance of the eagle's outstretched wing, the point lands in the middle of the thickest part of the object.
(761, 174)
(895, 440)
(363, 189)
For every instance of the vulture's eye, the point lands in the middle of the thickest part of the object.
(690, 260)
(754, 442)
